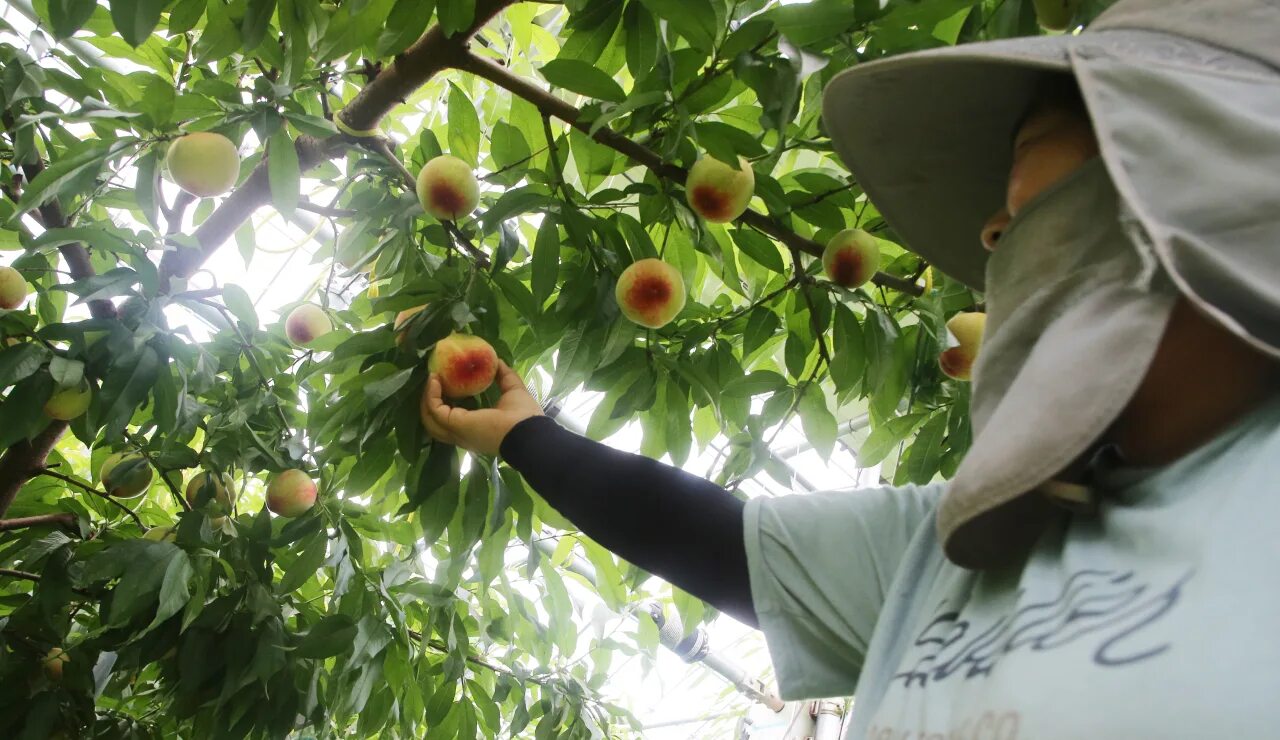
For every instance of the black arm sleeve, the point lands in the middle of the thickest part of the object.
(673, 524)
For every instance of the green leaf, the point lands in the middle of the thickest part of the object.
(62, 172)
(67, 16)
(407, 21)
(66, 373)
(694, 19)
(253, 27)
(455, 15)
(282, 171)
(464, 126)
(760, 248)
(174, 587)
(643, 41)
(582, 78)
(136, 19)
(240, 305)
(809, 23)
(818, 422)
(19, 362)
(886, 436)
(331, 636)
(546, 260)
(926, 451)
(753, 384)
(301, 570)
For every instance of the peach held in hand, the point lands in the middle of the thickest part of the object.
(718, 192)
(307, 323)
(957, 362)
(466, 365)
(851, 258)
(447, 188)
(291, 493)
(650, 292)
(203, 163)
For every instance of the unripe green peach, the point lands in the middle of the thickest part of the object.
(447, 188)
(967, 328)
(206, 488)
(203, 163)
(1056, 15)
(125, 474)
(851, 258)
(161, 534)
(13, 288)
(68, 403)
(307, 323)
(650, 292)
(466, 365)
(53, 662)
(718, 192)
(291, 493)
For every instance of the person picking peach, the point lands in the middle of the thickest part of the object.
(1097, 566)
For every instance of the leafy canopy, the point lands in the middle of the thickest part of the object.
(413, 600)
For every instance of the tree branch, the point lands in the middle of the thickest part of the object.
(430, 54)
(91, 489)
(549, 104)
(62, 520)
(24, 460)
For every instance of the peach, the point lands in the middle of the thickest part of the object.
(401, 322)
(447, 188)
(13, 288)
(291, 493)
(718, 192)
(53, 662)
(210, 488)
(466, 365)
(851, 258)
(650, 292)
(307, 323)
(1056, 15)
(125, 474)
(957, 362)
(203, 163)
(68, 403)
(161, 534)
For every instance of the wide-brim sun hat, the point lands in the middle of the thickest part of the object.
(1184, 96)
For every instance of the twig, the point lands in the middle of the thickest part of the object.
(68, 479)
(24, 575)
(323, 210)
(550, 105)
(63, 520)
(383, 146)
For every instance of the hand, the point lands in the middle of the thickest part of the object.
(479, 430)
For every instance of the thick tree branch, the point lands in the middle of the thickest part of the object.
(549, 104)
(428, 55)
(24, 460)
(76, 255)
(61, 520)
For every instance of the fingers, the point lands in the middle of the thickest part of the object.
(508, 380)
(442, 413)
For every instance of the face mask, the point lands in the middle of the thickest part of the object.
(1075, 312)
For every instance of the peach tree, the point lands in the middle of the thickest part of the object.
(220, 522)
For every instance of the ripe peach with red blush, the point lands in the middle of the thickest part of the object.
(720, 192)
(465, 364)
(650, 292)
(851, 258)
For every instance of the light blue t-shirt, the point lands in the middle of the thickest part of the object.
(1156, 617)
